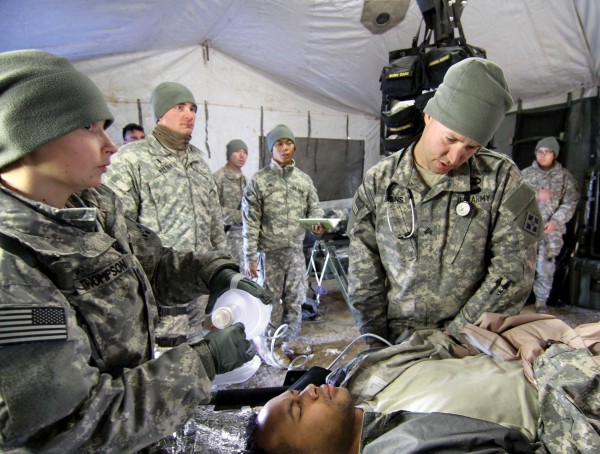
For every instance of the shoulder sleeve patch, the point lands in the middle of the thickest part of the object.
(29, 324)
(520, 199)
(360, 210)
(524, 209)
(532, 223)
(357, 205)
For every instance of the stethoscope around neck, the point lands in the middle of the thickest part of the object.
(462, 209)
(388, 200)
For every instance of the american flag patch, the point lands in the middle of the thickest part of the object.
(29, 324)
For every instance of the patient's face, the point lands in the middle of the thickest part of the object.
(314, 420)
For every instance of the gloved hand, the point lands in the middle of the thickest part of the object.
(226, 279)
(229, 347)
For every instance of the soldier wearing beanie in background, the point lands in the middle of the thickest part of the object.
(166, 185)
(444, 230)
(231, 183)
(79, 282)
(275, 199)
(557, 195)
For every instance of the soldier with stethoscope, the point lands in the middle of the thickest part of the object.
(444, 230)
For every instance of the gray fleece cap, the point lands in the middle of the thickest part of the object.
(472, 100)
(549, 142)
(169, 94)
(235, 145)
(277, 133)
(43, 97)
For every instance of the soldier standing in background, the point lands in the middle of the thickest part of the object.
(165, 185)
(133, 132)
(557, 195)
(230, 184)
(275, 199)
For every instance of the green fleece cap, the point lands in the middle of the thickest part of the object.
(169, 94)
(277, 133)
(234, 145)
(43, 97)
(472, 100)
(549, 142)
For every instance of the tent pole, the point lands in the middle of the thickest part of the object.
(140, 117)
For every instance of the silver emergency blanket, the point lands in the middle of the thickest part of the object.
(207, 432)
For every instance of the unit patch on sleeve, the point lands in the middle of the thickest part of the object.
(29, 324)
(532, 223)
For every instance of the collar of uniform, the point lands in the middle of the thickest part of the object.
(536, 166)
(459, 180)
(276, 166)
(231, 175)
(50, 231)
(157, 150)
(71, 214)
(405, 173)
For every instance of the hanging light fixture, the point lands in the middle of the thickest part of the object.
(378, 16)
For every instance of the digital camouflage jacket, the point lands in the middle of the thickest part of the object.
(472, 247)
(173, 196)
(231, 188)
(77, 308)
(275, 199)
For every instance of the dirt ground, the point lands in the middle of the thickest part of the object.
(329, 334)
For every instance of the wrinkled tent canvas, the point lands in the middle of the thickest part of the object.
(310, 64)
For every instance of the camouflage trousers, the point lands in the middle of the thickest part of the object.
(285, 278)
(567, 379)
(548, 248)
(235, 244)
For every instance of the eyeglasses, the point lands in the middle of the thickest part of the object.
(543, 151)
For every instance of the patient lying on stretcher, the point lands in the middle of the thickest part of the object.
(431, 394)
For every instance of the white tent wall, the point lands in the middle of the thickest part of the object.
(294, 57)
(230, 96)
(546, 47)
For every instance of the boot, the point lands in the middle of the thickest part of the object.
(540, 307)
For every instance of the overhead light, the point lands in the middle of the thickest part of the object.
(378, 16)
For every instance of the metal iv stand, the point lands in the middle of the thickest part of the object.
(331, 263)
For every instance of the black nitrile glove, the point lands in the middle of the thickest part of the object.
(226, 279)
(229, 347)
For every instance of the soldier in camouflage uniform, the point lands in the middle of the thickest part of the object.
(445, 229)
(557, 196)
(274, 201)
(165, 185)
(230, 184)
(79, 282)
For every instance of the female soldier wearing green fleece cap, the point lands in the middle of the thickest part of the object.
(558, 195)
(79, 282)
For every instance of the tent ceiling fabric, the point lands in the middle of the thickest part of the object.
(547, 47)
